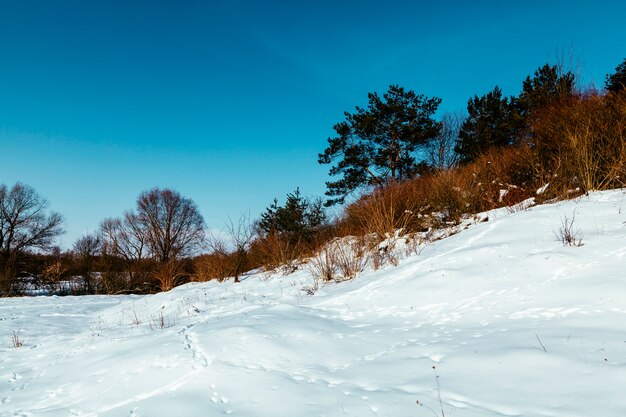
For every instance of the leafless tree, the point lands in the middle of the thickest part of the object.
(86, 249)
(125, 237)
(217, 263)
(165, 227)
(241, 236)
(440, 150)
(87, 246)
(24, 222)
(174, 226)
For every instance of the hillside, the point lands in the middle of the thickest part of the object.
(514, 322)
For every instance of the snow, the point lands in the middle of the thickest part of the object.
(515, 324)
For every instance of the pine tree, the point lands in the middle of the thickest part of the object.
(492, 122)
(616, 82)
(546, 85)
(379, 144)
(297, 221)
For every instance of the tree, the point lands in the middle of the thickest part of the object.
(241, 237)
(165, 227)
(174, 227)
(297, 221)
(378, 144)
(440, 150)
(548, 84)
(492, 122)
(86, 249)
(125, 237)
(616, 82)
(24, 223)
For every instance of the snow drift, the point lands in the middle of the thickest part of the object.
(513, 322)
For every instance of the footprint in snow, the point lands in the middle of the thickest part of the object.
(215, 397)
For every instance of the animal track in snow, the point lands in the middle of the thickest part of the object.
(191, 344)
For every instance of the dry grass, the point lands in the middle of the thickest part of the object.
(16, 341)
(322, 265)
(339, 260)
(573, 145)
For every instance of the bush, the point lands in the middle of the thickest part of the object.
(580, 142)
(214, 265)
(498, 178)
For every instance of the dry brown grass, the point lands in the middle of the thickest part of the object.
(340, 259)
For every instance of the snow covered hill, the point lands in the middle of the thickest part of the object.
(515, 324)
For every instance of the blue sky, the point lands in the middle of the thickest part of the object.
(229, 102)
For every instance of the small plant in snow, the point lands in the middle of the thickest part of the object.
(350, 257)
(136, 320)
(322, 265)
(16, 341)
(159, 322)
(567, 235)
(438, 397)
(311, 289)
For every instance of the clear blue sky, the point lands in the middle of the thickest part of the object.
(229, 102)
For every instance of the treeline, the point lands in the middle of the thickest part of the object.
(158, 245)
(395, 166)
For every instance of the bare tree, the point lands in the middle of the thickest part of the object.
(241, 236)
(24, 223)
(440, 150)
(174, 226)
(217, 263)
(86, 249)
(125, 237)
(165, 228)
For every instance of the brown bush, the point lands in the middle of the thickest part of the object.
(340, 259)
(581, 142)
(501, 177)
(168, 274)
(383, 211)
(215, 265)
(274, 250)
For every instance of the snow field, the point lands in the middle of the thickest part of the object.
(515, 323)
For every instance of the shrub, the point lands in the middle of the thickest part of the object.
(16, 340)
(567, 235)
(580, 142)
(214, 265)
(498, 178)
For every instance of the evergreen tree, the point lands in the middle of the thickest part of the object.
(546, 85)
(378, 144)
(298, 220)
(616, 82)
(492, 121)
